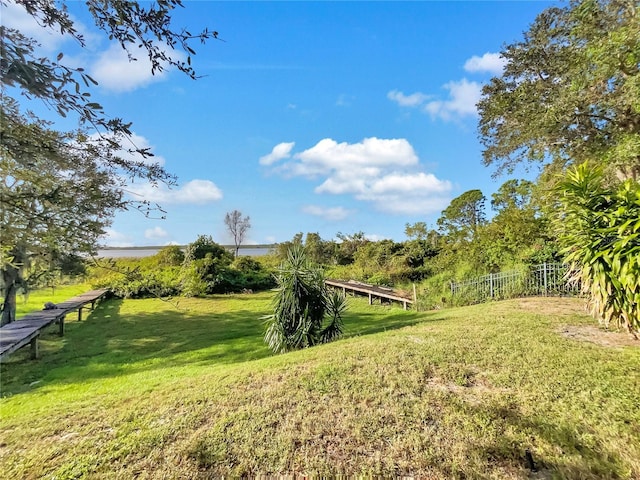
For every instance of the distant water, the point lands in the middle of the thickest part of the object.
(147, 252)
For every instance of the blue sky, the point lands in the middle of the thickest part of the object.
(309, 117)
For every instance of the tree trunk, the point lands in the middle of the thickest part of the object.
(9, 275)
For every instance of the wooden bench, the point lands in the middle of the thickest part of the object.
(26, 331)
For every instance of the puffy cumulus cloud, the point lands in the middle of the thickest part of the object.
(384, 172)
(194, 192)
(332, 214)
(463, 98)
(113, 238)
(155, 233)
(492, 63)
(115, 72)
(413, 100)
(279, 152)
(367, 157)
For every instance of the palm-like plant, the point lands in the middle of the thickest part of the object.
(300, 306)
(600, 230)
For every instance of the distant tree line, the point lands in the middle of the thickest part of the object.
(204, 268)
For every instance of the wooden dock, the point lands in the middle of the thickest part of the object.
(373, 291)
(26, 330)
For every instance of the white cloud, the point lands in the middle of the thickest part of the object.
(464, 95)
(155, 233)
(366, 157)
(194, 192)
(112, 238)
(463, 98)
(113, 70)
(385, 172)
(492, 63)
(332, 214)
(413, 100)
(279, 152)
(15, 16)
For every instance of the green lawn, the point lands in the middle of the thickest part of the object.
(151, 389)
(35, 300)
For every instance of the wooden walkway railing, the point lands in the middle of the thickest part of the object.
(372, 291)
(26, 330)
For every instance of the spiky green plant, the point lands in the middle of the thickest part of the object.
(600, 233)
(300, 306)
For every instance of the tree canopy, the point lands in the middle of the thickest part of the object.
(569, 91)
(461, 219)
(60, 190)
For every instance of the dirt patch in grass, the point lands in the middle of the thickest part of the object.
(599, 336)
(560, 306)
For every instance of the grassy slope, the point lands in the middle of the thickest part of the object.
(142, 389)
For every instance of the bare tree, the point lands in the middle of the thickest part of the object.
(237, 227)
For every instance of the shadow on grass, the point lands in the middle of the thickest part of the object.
(579, 456)
(359, 323)
(110, 343)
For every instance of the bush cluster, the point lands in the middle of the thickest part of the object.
(204, 268)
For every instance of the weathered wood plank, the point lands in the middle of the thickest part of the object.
(370, 290)
(12, 340)
(26, 330)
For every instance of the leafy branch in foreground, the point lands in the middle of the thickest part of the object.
(301, 304)
(59, 191)
(600, 232)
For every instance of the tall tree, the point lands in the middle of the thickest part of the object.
(238, 227)
(56, 201)
(519, 232)
(569, 91)
(417, 231)
(60, 190)
(464, 215)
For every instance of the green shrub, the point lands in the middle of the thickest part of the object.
(301, 305)
(600, 232)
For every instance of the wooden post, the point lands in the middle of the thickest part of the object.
(370, 300)
(61, 325)
(415, 295)
(80, 314)
(35, 348)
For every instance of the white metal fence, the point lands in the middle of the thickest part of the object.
(544, 279)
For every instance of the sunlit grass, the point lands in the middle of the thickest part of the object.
(35, 300)
(152, 389)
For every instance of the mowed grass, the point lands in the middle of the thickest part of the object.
(145, 389)
(36, 299)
